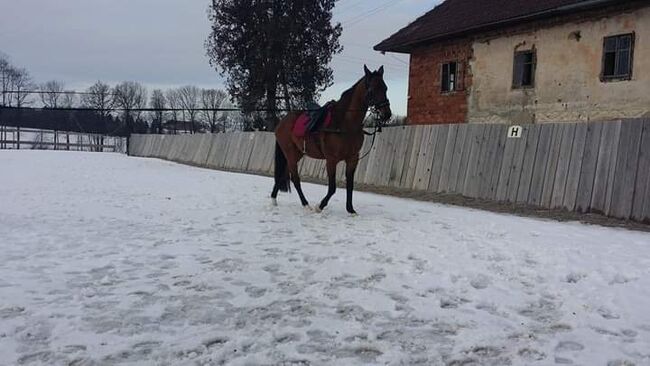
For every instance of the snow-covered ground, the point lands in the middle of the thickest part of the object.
(108, 260)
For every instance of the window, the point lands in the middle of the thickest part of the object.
(449, 77)
(524, 70)
(617, 57)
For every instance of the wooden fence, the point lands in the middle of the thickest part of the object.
(586, 167)
(29, 138)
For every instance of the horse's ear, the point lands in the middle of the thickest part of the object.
(381, 71)
(366, 70)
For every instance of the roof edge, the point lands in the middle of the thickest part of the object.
(408, 46)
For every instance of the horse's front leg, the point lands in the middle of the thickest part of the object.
(350, 169)
(331, 188)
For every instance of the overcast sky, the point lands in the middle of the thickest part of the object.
(160, 42)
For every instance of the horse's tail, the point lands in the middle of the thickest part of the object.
(281, 170)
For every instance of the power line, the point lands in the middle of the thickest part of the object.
(364, 16)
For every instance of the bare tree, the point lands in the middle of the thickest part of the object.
(20, 82)
(211, 100)
(69, 99)
(189, 99)
(131, 97)
(100, 98)
(5, 70)
(51, 93)
(50, 96)
(173, 102)
(158, 103)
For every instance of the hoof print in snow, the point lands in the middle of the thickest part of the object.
(574, 277)
(74, 348)
(464, 362)
(255, 292)
(608, 314)
(43, 357)
(354, 312)
(542, 310)
(569, 346)
(531, 354)
(294, 363)
(620, 363)
(480, 282)
(11, 312)
(629, 333)
(286, 338)
(563, 361)
(215, 342)
(452, 302)
(364, 353)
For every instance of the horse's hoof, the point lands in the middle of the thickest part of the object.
(274, 201)
(308, 208)
(318, 209)
(354, 214)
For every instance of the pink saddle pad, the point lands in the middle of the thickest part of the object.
(300, 127)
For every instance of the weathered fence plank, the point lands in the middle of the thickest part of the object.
(507, 165)
(438, 157)
(575, 166)
(471, 173)
(517, 164)
(496, 162)
(541, 163)
(408, 143)
(626, 169)
(601, 196)
(588, 168)
(461, 137)
(425, 159)
(479, 170)
(562, 168)
(445, 174)
(409, 181)
(551, 165)
(641, 199)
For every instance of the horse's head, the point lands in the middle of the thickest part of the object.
(376, 93)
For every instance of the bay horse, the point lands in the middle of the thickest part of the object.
(341, 141)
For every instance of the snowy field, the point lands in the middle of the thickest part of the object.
(109, 260)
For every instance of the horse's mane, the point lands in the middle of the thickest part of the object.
(348, 93)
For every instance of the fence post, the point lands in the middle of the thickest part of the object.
(18, 138)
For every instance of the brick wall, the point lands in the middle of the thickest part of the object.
(427, 104)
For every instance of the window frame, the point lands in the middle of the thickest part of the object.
(613, 78)
(456, 84)
(532, 51)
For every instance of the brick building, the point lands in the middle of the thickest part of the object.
(527, 61)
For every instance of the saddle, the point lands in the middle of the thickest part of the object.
(311, 122)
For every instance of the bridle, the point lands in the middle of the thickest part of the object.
(374, 107)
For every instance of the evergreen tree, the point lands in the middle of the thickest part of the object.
(273, 50)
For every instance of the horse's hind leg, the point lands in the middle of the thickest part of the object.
(293, 156)
(295, 178)
(274, 194)
(331, 188)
